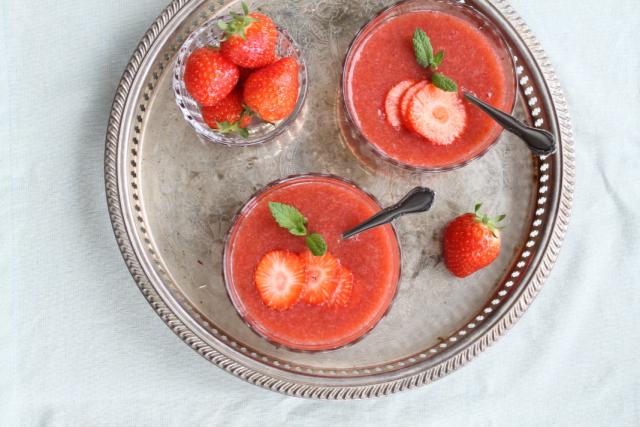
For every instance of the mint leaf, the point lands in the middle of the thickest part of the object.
(437, 60)
(443, 82)
(289, 217)
(422, 48)
(316, 244)
(292, 219)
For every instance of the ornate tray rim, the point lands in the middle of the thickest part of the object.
(269, 378)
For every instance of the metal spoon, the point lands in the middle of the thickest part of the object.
(417, 200)
(540, 141)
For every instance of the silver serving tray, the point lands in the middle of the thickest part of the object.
(171, 198)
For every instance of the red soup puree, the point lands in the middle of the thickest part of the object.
(472, 58)
(332, 206)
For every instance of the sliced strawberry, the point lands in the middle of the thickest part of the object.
(392, 102)
(320, 277)
(280, 278)
(437, 115)
(406, 98)
(342, 294)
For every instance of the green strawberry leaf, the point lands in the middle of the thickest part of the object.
(226, 128)
(289, 217)
(246, 111)
(244, 132)
(443, 82)
(484, 219)
(237, 25)
(316, 244)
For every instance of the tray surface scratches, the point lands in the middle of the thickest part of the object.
(172, 197)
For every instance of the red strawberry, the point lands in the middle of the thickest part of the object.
(471, 242)
(392, 102)
(249, 39)
(227, 115)
(342, 294)
(209, 77)
(406, 99)
(280, 278)
(437, 115)
(272, 91)
(320, 277)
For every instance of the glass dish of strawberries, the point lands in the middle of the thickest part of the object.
(240, 79)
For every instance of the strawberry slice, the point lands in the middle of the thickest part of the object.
(406, 99)
(320, 277)
(342, 294)
(280, 278)
(392, 102)
(437, 115)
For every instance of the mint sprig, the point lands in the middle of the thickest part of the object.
(437, 60)
(423, 51)
(443, 82)
(422, 48)
(316, 244)
(290, 218)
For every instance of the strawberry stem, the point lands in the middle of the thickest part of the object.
(246, 111)
(490, 223)
(238, 24)
(232, 127)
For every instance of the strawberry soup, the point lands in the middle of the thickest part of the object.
(257, 246)
(382, 62)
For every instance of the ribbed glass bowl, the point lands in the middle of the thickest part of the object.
(209, 34)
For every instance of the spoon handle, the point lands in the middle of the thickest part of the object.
(540, 141)
(417, 200)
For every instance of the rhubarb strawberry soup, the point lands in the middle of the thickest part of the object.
(292, 277)
(404, 78)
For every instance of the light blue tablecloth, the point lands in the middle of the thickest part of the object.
(80, 346)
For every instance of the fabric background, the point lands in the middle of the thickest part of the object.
(80, 346)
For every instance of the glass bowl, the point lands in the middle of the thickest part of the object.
(244, 300)
(209, 34)
(372, 155)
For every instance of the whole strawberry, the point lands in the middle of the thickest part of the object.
(272, 91)
(471, 242)
(249, 39)
(209, 76)
(228, 115)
